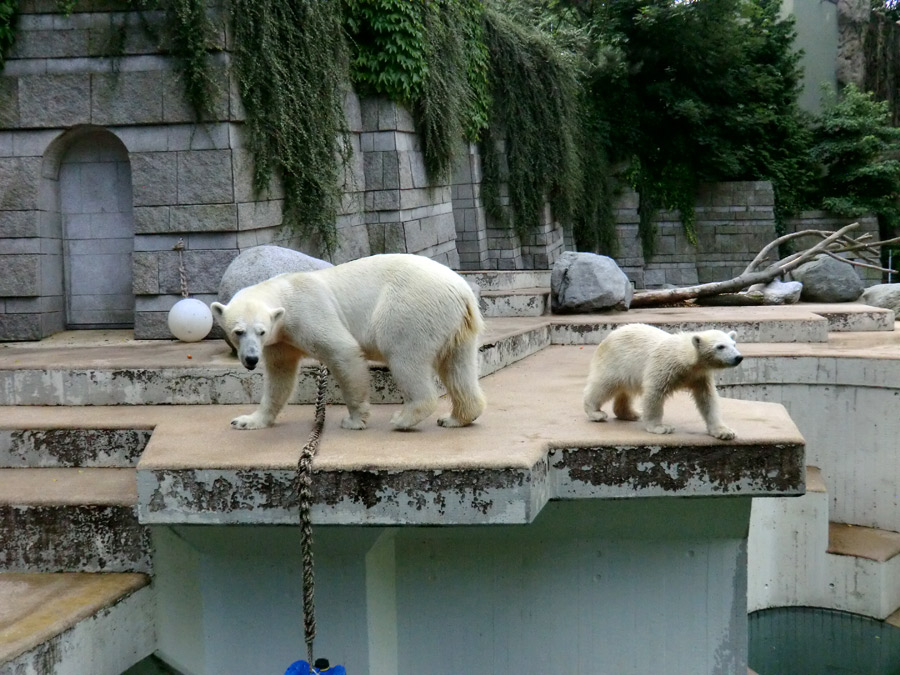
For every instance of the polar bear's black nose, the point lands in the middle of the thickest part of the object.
(738, 359)
(250, 362)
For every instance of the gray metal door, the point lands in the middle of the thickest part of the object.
(98, 233)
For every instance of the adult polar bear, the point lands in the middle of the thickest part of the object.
(638, 358)
(416, 315)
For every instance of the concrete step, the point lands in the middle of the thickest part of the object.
(52, 624)
(515, 303)
(71, 447)
(71, 520)
(863, 565)
(139, 373)
(786, 548)
(508, 280)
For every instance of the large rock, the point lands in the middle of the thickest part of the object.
(587, 282)
(883, 295)
(777, 292)
(825, 279)
(264, 262)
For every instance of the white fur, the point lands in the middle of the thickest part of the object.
(415, 314)
(638, 358)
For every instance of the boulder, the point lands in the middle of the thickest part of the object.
(777, 292)
(825, 279)
(883, 295)
(263, 262)
(587, 282)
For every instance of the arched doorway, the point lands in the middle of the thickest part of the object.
(95, 206)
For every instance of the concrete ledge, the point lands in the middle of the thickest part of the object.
(533, 445)
(515, 303)
(71, 520)
(88, 623)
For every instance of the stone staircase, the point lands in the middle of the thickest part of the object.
(74, 560)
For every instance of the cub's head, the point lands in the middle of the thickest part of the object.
(716, 349)
(250, 325)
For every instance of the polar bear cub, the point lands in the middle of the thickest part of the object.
(413, 313)
(640, 359)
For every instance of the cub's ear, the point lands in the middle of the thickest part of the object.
(733, 335)
(696, 339)
(277, 315)
(218, 309)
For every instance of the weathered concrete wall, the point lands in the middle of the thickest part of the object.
(816, 24)
(854, 451)
(597, 586)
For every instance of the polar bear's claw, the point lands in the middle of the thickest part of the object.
(450, 422)
(350, 423)
(722, 433)
(247, 422)
(596, 416)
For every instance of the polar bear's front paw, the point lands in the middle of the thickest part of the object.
(722, 433)
(253, 421)
(355, 423)
(596, 415)
(450, 422)
(659, 428)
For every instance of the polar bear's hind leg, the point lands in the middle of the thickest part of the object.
(415, 379)
(458, 370)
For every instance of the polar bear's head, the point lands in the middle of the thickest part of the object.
(716, 349)
(250, 325)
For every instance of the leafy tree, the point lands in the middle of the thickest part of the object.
(856, 146)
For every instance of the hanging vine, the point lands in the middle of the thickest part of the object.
(535, 118)
(291, 64)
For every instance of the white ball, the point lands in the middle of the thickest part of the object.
(190, 320)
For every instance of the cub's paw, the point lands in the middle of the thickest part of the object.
(249, 422)
(353, 423)
(659, 428)
(722, 432)
(596, 415)
(450, 422)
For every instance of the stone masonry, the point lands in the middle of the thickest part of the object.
(733, 222)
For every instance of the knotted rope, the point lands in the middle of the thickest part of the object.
(304, 494)
(182, 273)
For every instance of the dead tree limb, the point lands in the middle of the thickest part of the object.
(832, 243)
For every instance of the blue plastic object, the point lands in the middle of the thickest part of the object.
(320, 668)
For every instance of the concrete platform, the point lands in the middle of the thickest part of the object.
(533, 444)
(85, 623)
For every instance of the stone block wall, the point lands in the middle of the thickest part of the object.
(404, 211)
(733, 222)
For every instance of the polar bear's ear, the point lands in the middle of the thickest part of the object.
(277, 315)
(733, 335)
(696, 339)
(218, 309)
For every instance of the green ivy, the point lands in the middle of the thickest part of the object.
(429, 56)
(290, 59)
(9, 17)
(388, 38)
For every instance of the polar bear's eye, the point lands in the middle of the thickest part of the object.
(262, 331)
(720, 346)
(238, 332)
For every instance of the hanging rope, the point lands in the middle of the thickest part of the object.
(182, 273)
(304, 494)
